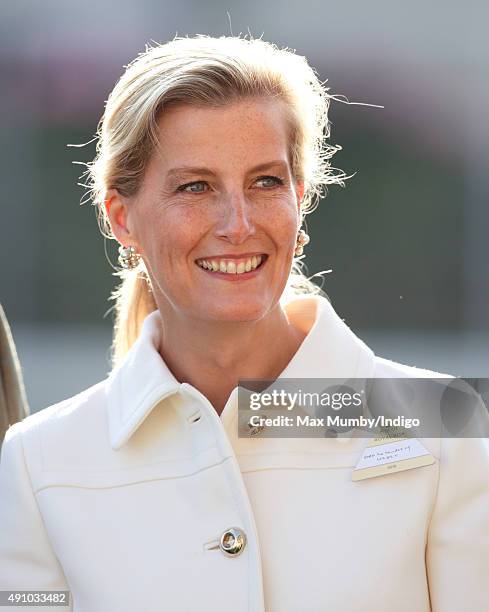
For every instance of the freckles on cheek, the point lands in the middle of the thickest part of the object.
(286, 226)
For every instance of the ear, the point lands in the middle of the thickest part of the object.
(117, 209)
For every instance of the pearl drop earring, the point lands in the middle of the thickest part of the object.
(128, 257)
(302, 240)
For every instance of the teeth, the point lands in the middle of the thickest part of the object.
(231, 267)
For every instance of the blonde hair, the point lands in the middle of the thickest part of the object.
(203, 71)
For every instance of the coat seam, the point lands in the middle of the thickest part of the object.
(428, 529)
(135, 482)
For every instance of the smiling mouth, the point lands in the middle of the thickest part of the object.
(235, 267)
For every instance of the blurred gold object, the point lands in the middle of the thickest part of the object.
(13, 400)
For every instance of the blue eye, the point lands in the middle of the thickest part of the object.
(277, 181)
(189, 187)
(184, 187)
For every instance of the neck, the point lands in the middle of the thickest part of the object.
(213, 357)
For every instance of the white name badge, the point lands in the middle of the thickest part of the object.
(388, 455)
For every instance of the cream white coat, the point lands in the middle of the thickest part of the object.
(119, 493)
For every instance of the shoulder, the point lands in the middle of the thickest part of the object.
(386, 368)
(53, 435)
(454, 393)
(453, 415)
(65, 414)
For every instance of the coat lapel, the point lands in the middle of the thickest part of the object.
(138, 384)
(143, 380)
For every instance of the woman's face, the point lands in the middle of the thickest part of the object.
(217, 199)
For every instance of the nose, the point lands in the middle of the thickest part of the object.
(235, 223)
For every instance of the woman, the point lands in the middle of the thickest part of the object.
(138, 494)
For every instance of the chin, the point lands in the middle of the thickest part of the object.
(245, 310)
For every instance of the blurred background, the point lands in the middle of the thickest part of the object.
(406, 239)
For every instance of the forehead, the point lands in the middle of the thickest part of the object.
(245, 132)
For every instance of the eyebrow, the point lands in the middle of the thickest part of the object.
(208, 172)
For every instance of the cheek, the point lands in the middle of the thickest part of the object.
(176, 229)
(283, 223)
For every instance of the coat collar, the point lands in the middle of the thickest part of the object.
(142, 380)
